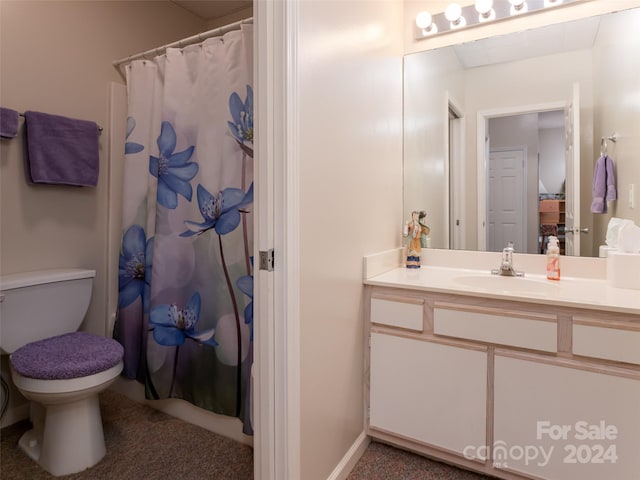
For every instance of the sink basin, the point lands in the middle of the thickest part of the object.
(512, 285)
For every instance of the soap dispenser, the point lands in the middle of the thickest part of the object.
(553, 259)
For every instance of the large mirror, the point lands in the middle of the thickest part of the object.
(502, 135)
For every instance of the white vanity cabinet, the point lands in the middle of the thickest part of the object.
(559, 420)
(512, 389)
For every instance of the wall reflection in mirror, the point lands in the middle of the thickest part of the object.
(501, 135)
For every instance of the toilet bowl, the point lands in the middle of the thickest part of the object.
(60, 370)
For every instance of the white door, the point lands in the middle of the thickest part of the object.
(572, 169)
(506, 200)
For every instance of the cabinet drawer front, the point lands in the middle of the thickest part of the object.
(618, 344)
(398, 312)
(537, 334)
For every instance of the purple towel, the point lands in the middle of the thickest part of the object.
(604, 184)
(71, 355)
(8, 123)
(61, 150)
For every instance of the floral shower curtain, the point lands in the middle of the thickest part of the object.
(185, 307)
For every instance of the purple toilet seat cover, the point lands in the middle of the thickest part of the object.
(71, 355)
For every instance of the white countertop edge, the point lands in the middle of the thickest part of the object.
(576, 292)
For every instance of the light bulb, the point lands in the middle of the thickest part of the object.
(423, 19)
(484, 6)
(453, 13)
(485, 10)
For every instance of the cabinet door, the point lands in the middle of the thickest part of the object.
(558, 422)
(429, 392)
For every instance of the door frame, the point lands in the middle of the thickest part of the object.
(482, 154)
(276, 303)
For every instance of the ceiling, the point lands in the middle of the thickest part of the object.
(563, 37)
(211, 9)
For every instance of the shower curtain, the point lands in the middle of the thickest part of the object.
(185, 306)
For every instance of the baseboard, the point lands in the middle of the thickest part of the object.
(344, 467)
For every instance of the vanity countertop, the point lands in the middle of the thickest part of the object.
(574, 292)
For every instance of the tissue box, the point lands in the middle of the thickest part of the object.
(623, 270)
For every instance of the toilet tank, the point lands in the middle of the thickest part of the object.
(41, 304)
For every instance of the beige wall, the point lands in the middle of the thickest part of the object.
(56, 58)
(350, 151)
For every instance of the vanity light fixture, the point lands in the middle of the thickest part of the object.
(424, 22)
(517, 7)
(485, 10)
(480, 12)
(453, 13)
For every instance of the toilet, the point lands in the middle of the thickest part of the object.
(60, 370)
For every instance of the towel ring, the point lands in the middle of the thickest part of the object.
(603, 143)
(603, 146)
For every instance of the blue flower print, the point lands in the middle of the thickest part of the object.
(134, 267)
(242, 126)
(245, 284)
(171, 327)
(131, 147)
(173, 170)
(220, 212)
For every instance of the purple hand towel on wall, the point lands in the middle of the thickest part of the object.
(61, 150)
(8, 123)
(604, 184)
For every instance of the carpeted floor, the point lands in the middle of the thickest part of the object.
(145, 444)
(142, 444)
(383, 462)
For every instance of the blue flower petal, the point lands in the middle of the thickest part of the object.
(166, 197)
(227, 222)
(127, 294)
(204, 199)
(231, 198)
(245, 284)
(168, 336)
(235, 107)
(248, 313)
(154, 164)
(178, 186)
(167, 140)
(184, 172)
(162, 315)
(180, 158)
(133, 241)
(193, 306)
(132, 147)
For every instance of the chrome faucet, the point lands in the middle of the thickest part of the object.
(506, 266)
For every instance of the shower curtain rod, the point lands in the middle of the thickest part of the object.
(216, 32)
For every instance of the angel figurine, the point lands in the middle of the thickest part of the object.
(415, 229)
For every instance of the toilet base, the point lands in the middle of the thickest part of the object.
(66, 438)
